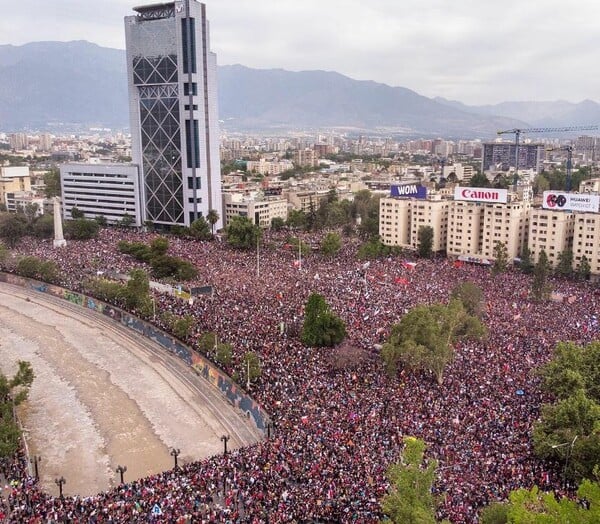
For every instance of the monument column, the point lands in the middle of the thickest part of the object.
(59, 239)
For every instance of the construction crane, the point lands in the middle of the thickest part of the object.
(517, 132)
(569, 149)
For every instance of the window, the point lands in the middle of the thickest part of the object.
(192, 160)
(186, 88)
(189, 44)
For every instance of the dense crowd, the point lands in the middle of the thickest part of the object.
(338, 427)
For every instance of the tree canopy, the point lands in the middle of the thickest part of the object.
(425, 236)
(410, 498)
(322, 328)
(13, 391)
(242, 233)
(425, 337)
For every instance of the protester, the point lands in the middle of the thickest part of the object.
(337, 429)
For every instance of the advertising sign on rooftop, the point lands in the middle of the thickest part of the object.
(580, 202)
(409, 190)
(481, 194)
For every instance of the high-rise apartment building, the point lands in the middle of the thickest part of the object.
(173, 111)
(501, 156)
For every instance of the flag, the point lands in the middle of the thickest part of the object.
(409, 265)
(458, 263)
(401, 281)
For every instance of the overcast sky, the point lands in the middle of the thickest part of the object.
(475, 51)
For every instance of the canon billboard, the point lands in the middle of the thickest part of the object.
(481, 194)
(409, 190)
(580, 202)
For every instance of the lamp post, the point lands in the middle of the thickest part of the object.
(225, 439)
(269, 429)
(120, 470)
(36, 461)
(175, 453)
(60, 482)
(569, 453)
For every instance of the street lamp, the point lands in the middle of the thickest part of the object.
(175, 453)
(60, 483)
(269, 429)
(36, 461)
(569, 453)
(120, 470)
(225, 439)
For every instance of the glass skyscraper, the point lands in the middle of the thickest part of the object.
(173, 110)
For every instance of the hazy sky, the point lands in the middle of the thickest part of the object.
(475, 51)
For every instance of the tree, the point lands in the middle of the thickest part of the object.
(101, 219)
(182, 326)
(584, 269)
(372, 249)
(200, 229)
(212, 218)
(43, 226)
(126, 220)
(52, 183)
(277, 223)
(207, 342)
(224, 354)
(164, 266)
(568, 432)
(4, 254)
(242, 233)
(12, 393)
(500, 258)
(13, 227)
(137, 289)
(526, 264)
(321, 327)
(479, 180)
(410, 496)
(331, 244)
(565, 263)
(471, 297)
(77, 213)
(251, 367)
(81, 229)
(425, 337)
(534, 506)
(425, 236)
(495, 513)
(539, 287)
(297, 219)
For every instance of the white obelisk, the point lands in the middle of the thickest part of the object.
(59, 239)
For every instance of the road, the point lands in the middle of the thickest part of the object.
(105, 396)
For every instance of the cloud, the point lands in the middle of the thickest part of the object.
(474, 51)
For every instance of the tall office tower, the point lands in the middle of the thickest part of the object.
(173, 111)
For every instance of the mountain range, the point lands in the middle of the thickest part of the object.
(49, 85)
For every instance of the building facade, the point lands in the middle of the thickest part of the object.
(13, 179)
(173, 111)
(102, 190)
(550, 231)
(401, 218)
(586, 240)
(501, 156)
(260, 211)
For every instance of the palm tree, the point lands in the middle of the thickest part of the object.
(212, 218)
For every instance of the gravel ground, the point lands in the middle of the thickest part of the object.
(100, 399)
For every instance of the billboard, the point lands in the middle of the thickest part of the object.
(409, 190)
(481, 194)
(581, 202)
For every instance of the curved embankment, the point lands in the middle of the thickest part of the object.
(105, 395)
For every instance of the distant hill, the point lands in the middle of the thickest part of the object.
(80, 83)
(537, 114)
(69, 82)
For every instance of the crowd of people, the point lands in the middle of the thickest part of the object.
(337, 428)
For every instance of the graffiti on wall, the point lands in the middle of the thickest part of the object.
(234, 393)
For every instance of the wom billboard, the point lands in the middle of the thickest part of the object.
(409, 190)
(481, 194)
(581, 202)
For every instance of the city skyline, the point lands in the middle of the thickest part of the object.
(469, 52)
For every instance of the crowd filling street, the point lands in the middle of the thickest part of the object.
(339, 420)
